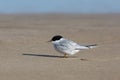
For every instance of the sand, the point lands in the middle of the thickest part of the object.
(25, 53)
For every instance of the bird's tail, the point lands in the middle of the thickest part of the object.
(92, 46)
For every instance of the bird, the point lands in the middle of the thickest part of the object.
(68, 47)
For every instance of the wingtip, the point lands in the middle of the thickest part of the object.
(93, 46)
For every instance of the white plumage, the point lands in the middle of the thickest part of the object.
(68, 47)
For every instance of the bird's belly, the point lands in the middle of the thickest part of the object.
(71, 52)
(66, 51)
(74, 52)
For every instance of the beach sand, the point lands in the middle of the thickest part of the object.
(25, 53)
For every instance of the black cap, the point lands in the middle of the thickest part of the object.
(57, 37)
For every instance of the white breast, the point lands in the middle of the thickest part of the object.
(66, 46)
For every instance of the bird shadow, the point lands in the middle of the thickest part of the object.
(42, 55)
(45, 55)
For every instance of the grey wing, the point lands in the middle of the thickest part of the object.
(63, 45)
(68, 44)
(76, 46)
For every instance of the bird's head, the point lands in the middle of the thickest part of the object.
(55, 38)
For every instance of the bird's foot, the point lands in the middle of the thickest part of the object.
(82, 59)
(65, 56)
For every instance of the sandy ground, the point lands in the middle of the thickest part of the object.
(26, 55)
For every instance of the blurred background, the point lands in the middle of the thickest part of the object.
(27, 25)
(59, 6)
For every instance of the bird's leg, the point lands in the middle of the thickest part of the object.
(65, 56)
